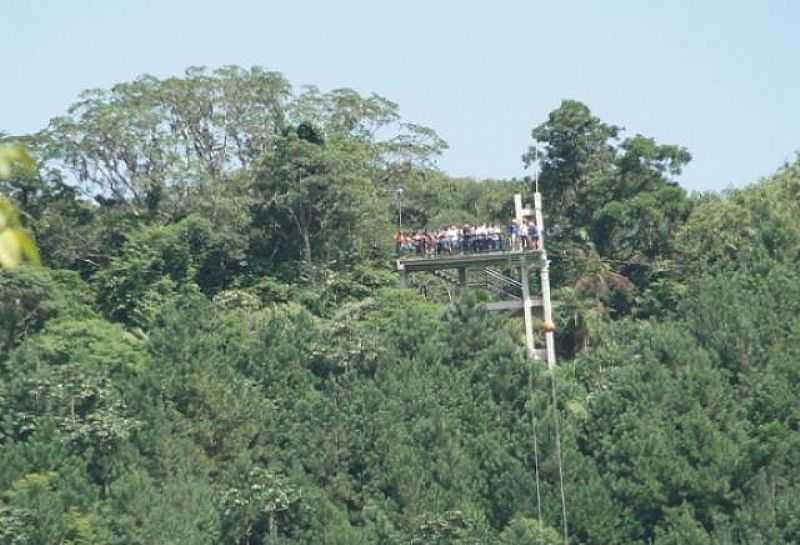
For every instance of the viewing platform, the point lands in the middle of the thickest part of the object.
(510, 258)
(504, 274)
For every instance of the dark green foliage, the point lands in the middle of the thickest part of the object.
(746, 228)
(317, 198)
(31, 297)
(525, 531)
(160, 261)
(577, 157)
(228, 359)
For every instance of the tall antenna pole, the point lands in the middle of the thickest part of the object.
(398, 195)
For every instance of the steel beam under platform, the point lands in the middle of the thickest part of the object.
(533, 258)
(512, 305)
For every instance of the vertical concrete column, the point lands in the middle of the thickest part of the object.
(549, 336)
(547, 308)
(526, 309)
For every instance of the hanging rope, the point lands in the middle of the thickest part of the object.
(535, 448)
(558, 455)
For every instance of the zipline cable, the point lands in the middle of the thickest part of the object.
(558, 455)
(535, 448)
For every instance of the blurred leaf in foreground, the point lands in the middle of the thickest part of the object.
(15, 243)
(12, 155)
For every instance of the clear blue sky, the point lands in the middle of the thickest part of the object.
(718, 76)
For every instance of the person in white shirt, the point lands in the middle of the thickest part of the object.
(482, 238)
(523, 235)
(453, 239)
(494, 238)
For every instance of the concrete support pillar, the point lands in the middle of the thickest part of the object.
(526, 309)
(549, 336)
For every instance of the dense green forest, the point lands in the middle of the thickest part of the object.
(216, 351)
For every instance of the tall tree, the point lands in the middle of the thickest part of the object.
(148, 142)
(137, 139)
(318, 193)
(576, 152)
(644, 207)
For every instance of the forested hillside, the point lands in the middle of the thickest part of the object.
(215, 349)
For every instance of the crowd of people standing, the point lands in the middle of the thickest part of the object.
(452, 239)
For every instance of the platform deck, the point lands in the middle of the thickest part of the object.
(511, 258)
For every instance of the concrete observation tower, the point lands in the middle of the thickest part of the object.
(505, 274)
